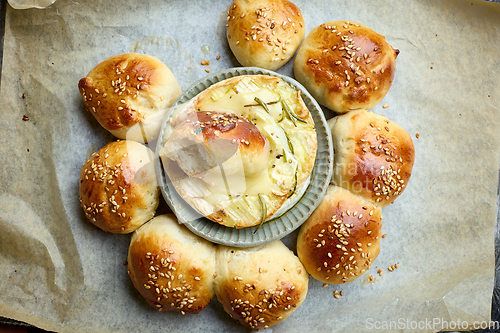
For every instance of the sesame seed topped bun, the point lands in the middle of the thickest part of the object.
(373, 156)
(129, 95)
(260, 286)
(264, 33)
(345, 66)
(172, 268)
(222, 134)
(341, 239)
(118, 189)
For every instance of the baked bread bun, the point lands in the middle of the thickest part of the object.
(129, 95)
(241, 151)
(264, 33)
(341, 239)
(373, 156)
(118, 189)
(260, 286)
(345, 66)
(172, 268)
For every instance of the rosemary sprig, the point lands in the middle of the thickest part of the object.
(290, 145)
(264, 211)
(294, 186)
(269, 103)
(290, 113)
(262, 103)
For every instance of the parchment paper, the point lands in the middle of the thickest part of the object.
(60, 273)
(26, 4)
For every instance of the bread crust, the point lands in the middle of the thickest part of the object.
(118, 189)
(341, 239)
(172, 268)
(373, 156)
(129, 94)
(260, 287)
(219, 135)
(345, 66)
(264, 33)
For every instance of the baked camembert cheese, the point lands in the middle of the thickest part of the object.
(241, 152)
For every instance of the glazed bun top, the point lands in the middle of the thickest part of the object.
(264, 33)
(129, 95)
(373, 156)
(341, 239)
(118, 188)
(205, 140)
(345, 66)
(172, 268)
(260, 286)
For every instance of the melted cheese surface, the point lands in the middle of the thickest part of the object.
(234, 198)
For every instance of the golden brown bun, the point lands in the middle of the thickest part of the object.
(373, 156)
(260, 286)
(272, 167)
(345, 66)
(341, 239)
(264, 33)
(118, 189)
(218, 135)
(129, 95)
(172, 268)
